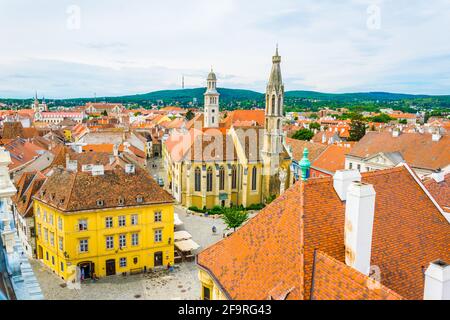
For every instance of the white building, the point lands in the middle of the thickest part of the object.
(58, 117)
(425, 153)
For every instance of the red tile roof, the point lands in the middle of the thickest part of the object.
(298, 146)
(332, 159)
(76, 191)
(440, 191)
(334, 280)
(239, 116)
(417, 149)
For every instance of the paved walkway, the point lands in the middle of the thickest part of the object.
(182, 284)
(201, 228)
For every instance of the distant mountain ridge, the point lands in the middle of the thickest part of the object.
(240, 94)
(240, 98)
(182, 94)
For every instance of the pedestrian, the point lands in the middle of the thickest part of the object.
(82, 274)
(214, 229)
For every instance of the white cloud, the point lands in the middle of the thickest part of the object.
(138, 46)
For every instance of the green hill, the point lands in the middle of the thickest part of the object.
(245, 99)
(187, 95)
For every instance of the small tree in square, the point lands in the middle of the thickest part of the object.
(234, 218)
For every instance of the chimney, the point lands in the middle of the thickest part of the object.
(438, 176)
(98, 170)
(130, 168)
(72, 165)
(359, 216)
(343, 179)
(396, 133)
(437, 281)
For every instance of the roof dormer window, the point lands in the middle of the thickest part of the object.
(100, 203)
(121, 201)
(139, 199)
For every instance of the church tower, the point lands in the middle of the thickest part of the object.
(273, 136)
(35, 105)
(211, 111)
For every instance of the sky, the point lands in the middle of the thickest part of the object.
(79, 48)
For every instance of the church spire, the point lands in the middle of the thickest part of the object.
(276, 80)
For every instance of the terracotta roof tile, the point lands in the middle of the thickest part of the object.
(315, 149)
(334, 280)
(417, 149)
(276, 248)
(76, 191)
(332, 159)
(440, 191)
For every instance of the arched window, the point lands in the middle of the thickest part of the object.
(254, 177)
(222, 178)
(198, 180)
(273, 104)
(233, 177)
(209, 180)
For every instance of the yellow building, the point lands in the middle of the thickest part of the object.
(107, 221)
(231, 163)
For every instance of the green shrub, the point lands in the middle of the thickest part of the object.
(256, 207)
(195, 209)
(216, 210)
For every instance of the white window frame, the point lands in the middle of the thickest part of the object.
(61, 243)
(134, 220)
(109, 222)
(123, 262)
(135, 239)
(122, 219)
(109, 242)
(123, 241)
(60, 223)
(158, 236)
(83, 245)
(158, 216)
(84, 223)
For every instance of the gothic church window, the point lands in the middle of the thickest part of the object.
(233, 177)
(273, 104)
(209, 180)
(222, 178)
(254, 177)
(198, 180)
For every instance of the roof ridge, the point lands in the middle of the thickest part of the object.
(355, 274)
(302, 237)
(75, 174)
